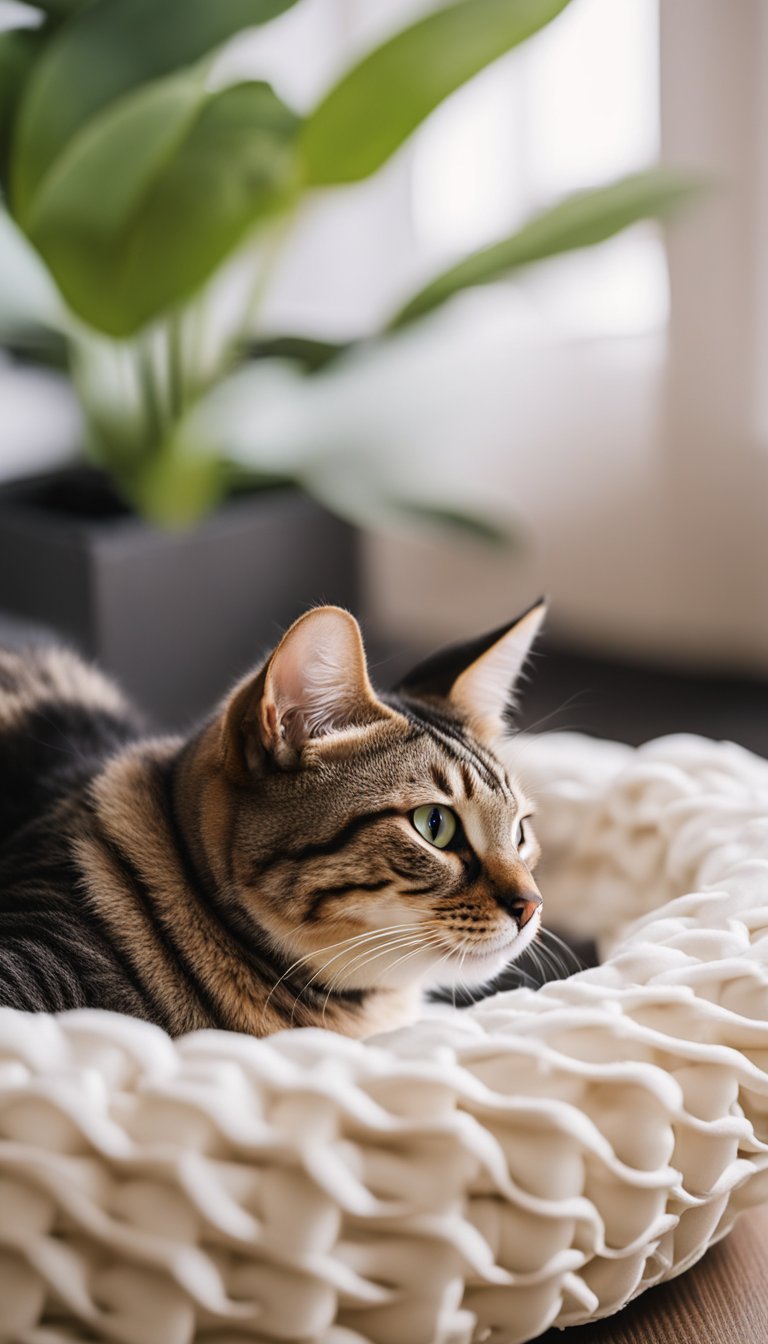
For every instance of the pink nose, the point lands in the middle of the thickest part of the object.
(524, 907)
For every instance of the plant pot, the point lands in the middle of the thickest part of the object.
(175, 617)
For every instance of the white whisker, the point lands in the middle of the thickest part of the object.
(420, 945)
(357, 937)
(395, 941)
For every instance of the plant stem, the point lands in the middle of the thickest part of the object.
(177, 389)
(153, 416)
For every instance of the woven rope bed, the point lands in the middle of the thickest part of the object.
(537, 1159)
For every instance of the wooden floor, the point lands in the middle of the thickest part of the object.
(722, 1300)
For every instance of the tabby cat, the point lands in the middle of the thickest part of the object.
(314, 854)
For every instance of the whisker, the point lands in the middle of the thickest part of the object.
(568, 952)
(395, 941)
(368, 955)
(554, 961)
(328, 948)
(421, 946)
(516, 968)
(569, 702)
(533, 956)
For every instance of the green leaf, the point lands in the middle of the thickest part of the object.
(581, 220)
(109, 49)
(141, 209)
(310, 354)
(18, 49)
(453, 519)
(38, 346)
(29, 302)
(377, 104)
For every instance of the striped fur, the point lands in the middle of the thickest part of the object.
(264, 872)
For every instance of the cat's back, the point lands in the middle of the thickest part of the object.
(59, 720)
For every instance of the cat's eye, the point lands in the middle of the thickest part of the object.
(518, 833)
(436, 823)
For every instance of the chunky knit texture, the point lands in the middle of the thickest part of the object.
(538, 1159)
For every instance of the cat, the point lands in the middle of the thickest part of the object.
(315, 854)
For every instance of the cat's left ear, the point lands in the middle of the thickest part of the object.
(314, 685)
(477, 679)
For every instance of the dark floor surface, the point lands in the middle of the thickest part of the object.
(606, 697)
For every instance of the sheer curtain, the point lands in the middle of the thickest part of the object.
(635, 464)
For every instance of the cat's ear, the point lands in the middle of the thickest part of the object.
(315, 683)
(476, 680)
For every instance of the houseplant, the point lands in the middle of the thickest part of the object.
(137, 180)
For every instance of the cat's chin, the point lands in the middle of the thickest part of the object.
(478, 969)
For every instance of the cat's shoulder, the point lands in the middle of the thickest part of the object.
(41, 675)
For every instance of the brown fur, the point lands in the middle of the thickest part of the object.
(246, 877)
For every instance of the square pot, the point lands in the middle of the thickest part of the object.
(174, 616)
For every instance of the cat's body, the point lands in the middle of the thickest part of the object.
(286, 865)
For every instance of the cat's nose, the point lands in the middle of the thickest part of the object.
(514, 890)
(521, 905)
(524, 907)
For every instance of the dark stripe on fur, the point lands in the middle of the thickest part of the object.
(54, 953)
(251, 940)
(333, 845)
(163, 933)
(53, 749)
(452, 737)
(326, 894)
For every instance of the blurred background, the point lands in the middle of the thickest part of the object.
(284, 427)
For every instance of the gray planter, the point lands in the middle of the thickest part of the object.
(175, 617)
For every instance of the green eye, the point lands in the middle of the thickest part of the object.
(436, 824)
(519, 835)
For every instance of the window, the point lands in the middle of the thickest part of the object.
(577, 105)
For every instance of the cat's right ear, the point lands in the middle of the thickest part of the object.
(476, 680)
(313, 685)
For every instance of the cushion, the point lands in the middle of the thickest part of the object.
(537, 1159)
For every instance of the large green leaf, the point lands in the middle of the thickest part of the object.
(581, 220)
(30, 307)
(18, 49)
(141, 209)
(107, 50)
(377, 104)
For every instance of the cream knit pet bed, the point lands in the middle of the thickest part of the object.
(539, 1158)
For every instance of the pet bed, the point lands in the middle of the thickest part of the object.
(537, 1159)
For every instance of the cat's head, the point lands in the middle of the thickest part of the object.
(379, 840)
